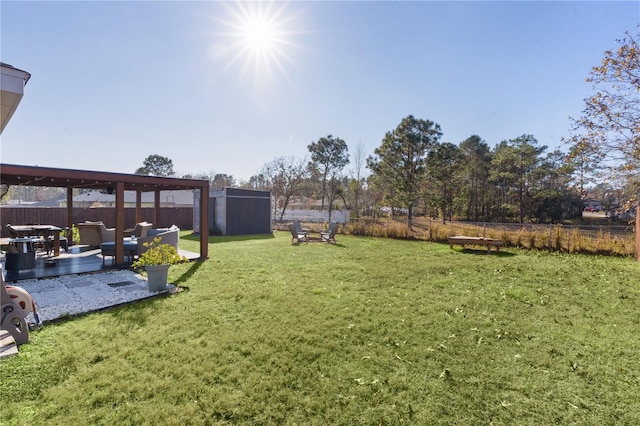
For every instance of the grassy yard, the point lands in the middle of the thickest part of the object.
(368, 331)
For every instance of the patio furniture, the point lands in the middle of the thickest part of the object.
(298, 236)
(12, 232)
(49, 244)
(169, 236)
(95, 233)
(24, 232)
(21, 254)
(330, 235)
(300, 230)
(140, 230)
(109, 249)
(40, 235)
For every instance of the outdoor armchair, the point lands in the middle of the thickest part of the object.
(140, 230)
(297, 236)
(330, 235)
(299, 229)
(95, 233)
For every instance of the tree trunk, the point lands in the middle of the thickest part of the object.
(638, 232)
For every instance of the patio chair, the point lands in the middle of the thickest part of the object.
(297, 236)
(140, 230)
(95, 233)
(12, 232)
(299, 229)
(330, 235)
(64, 242)
(21, 254)
(13, 318)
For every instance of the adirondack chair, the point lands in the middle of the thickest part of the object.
(297, 236)
(299, 229)
(330, 235)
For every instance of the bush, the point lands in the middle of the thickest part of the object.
(158, 254)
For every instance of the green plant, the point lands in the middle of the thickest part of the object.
(75, 234)
(158, 253)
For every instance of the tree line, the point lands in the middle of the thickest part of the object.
(414, 172)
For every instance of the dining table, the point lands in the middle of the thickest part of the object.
(44, 231)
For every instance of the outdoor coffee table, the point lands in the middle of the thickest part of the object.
(109, 249)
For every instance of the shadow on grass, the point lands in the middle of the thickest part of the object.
(484, 252)
(224, 239)
(195, 265)
(133, 311)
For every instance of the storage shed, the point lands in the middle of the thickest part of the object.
(235, 211)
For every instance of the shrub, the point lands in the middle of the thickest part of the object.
(158, 254)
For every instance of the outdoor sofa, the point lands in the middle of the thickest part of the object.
(135, 246)
(169, 236)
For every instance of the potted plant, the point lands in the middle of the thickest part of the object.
(156, 261)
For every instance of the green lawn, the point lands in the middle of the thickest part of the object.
(368, 331)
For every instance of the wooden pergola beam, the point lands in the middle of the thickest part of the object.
(13, 174)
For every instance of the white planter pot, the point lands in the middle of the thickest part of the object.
(157, 276)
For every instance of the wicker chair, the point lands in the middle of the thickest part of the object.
(95, 233)
(140, 230)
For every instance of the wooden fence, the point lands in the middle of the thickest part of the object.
(167, 216)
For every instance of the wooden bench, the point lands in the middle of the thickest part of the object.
(478, 241)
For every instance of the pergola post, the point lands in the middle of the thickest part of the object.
(204, 223)
(138, 206)
(69, 233)
(156, 207)
(119, 243)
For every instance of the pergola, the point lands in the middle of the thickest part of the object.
(116, 183)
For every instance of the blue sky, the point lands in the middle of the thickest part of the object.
(114, 81)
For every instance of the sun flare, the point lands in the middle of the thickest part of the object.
(258, 38)
(259, 35)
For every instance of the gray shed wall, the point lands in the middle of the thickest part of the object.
(237, 211)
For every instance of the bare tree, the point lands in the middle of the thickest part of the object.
(608, 132)
(357, 175)
(285, 177)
